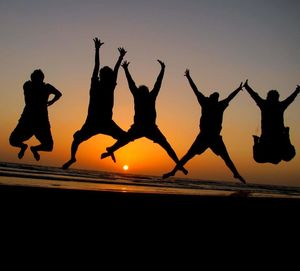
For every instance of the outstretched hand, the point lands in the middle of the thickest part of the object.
(187, 73)
(98, 43)
(241, 86)
(246, 84)
(162, 64)
(122, 51)
(125, 64)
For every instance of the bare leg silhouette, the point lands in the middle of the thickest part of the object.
(16, 141)
(110, 150)
(225, 156)
(188, 156)
(35, 153)
(22, 150)
(74, 148)
(167, 147)
(124, 141)
(42, 147)
(219, 148)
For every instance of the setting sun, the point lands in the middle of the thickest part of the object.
(125, 167)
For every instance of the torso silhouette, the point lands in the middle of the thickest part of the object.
(272, 120)
(144, 106)
(212, 116)
(36, 99)
(101, 100)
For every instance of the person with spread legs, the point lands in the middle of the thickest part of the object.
(145, 116)
(100, 111)
(210, 128)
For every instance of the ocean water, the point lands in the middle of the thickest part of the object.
(17, 174)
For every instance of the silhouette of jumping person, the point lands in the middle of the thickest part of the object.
(210, 128)
(34, 120)
(145, 116)
(100, 111)
(274, 143)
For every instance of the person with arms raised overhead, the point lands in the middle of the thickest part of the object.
(34, 120)
(274, 143)
(210, 128)
(100, 111)
(145, 116)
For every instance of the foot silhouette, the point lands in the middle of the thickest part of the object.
(106, 154)
(35, 153)
(167, 175)
(185, 172)
(240, 178)
(68, 164)
(22, 152)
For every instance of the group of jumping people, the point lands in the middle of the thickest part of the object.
(272, 146)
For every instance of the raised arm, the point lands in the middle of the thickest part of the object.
(199, 95)
(291, 98)
(234, 93)
(57, 94)
(26, 88)
(130, 81)
(98, 44)
(252, 93)
(159, 79)
(122, 52)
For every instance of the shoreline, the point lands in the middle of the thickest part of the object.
(103, 185)
(45, 197)
(33, 193)
(62, 211)
(14, 174)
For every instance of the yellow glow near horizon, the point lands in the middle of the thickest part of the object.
(125, 167)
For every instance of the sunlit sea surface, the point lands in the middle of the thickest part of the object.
(52, 177)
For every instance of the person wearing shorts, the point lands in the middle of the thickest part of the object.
(210, 129)
(100, 111)
(145, 117)
(34, 120)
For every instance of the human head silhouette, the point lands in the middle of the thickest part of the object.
(273, 96)
(106, 73)
(143, 90)
(214, 96)
(37, 76)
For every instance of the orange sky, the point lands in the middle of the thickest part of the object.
(221, 43)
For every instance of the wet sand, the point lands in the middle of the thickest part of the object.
(38, 200)
(133, 219)
(48, 198)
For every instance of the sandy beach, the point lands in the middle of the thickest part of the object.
(135, 200)
(68, 216)
(54, 202)
(34, 194)
(144, 222)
